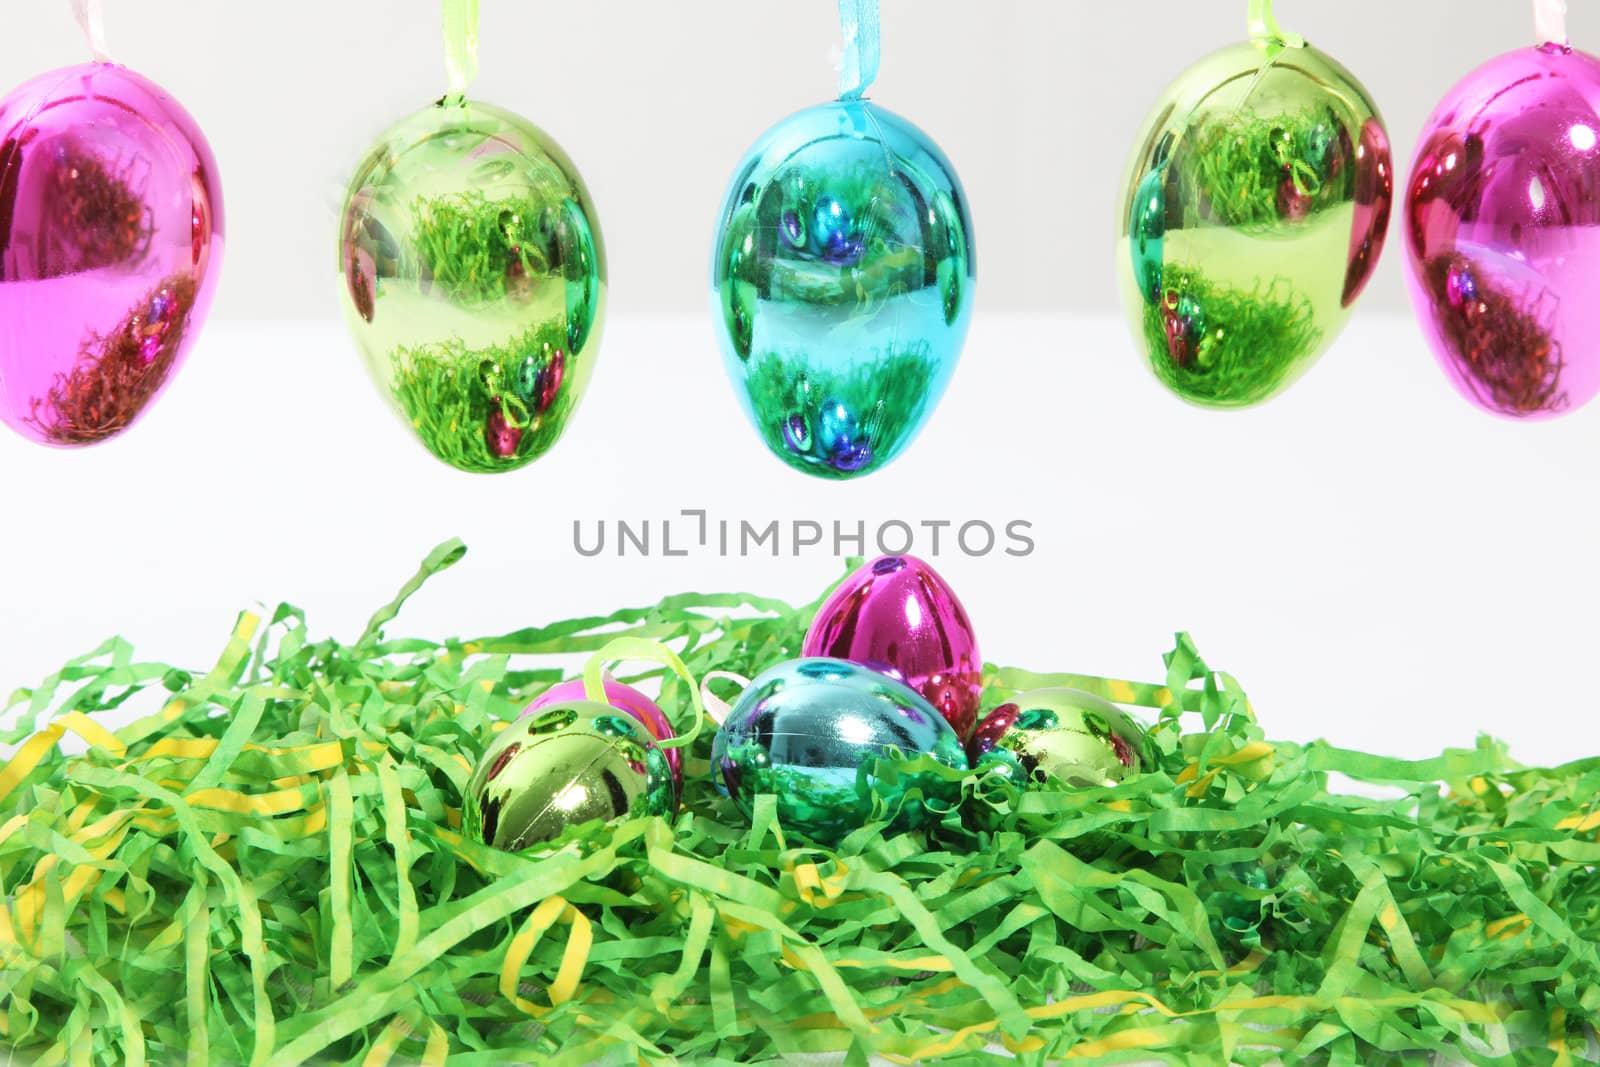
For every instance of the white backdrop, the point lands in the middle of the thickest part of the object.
(1377, 562)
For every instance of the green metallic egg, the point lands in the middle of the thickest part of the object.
(569, 764)
(1253, 214)
(474, 281)
(1062, 736)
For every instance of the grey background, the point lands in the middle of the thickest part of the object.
(1036, 101)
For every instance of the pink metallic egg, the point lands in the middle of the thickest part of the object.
(623, 698)
(898, 616)
(1502, 233)
(110, 244)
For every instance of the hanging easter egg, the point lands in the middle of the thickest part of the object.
(842, 276)
(1254, 214)
(110, 248)
(808, 731)
(1502, 233)
(563, 766)
(623, 698)
(897, 615)
(474, 281)
(1060, 736)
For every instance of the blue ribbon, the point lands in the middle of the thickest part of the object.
(862, 47)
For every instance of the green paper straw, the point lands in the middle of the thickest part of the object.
(265, 867)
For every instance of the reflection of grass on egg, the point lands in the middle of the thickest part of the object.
(476, 250)
(118, 373)
(1226, 347)
(1502, 345)
(95, 217)
(840, 424)
(850, 239)
(832, 805)
(892, 271)
(1061, 736)
(487, 409)
(1249, 171)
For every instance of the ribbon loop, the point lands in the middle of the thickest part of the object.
(862, 47)
(715, 706)
(1265, 31)
(641, 648)
(460, 47)
(92, 22)
(1550, 22)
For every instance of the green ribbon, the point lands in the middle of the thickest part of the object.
(1265, 31)
(460, 47)
(640, 648)
(268, 868)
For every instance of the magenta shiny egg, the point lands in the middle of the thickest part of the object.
(896, 614)
(1502, 233)
(110, 245)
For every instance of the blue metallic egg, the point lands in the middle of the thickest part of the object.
(836, 427)
(843, 273)
(808, 731)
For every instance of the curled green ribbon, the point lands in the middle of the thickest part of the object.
(639, 648)
(268, 868)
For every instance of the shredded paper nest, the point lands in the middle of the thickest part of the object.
(268, 868)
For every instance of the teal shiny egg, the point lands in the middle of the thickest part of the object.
(842, 285)
(565, 765)
(809, 732)
(1148, 230)
(1061, 736)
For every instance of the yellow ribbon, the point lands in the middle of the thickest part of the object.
(579, 942)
